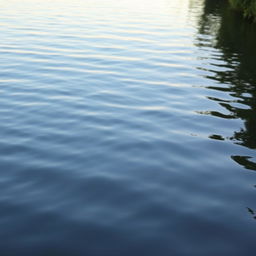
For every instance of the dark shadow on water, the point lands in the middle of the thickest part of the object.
(245, 162)
(251, 211)
(234, 39)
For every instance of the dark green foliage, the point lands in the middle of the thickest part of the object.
(248, 7)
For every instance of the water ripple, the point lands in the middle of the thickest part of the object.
(124, 130)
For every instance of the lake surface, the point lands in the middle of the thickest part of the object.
(127, 128)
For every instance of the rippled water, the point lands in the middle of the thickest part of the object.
(127, 128)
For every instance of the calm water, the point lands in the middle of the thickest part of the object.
(127, 128)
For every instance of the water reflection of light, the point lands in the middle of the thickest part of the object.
(127, 11)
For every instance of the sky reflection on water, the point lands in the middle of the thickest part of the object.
(127, 128)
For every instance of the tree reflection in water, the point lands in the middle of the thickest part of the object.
(236, 40)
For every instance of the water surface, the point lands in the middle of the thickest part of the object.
(127, 128)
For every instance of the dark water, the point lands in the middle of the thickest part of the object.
(127, 128)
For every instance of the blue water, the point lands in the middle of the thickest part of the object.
(127, 128)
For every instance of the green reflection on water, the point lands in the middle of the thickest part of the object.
(235, 38)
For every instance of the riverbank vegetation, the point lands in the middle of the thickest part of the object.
(248, 7)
